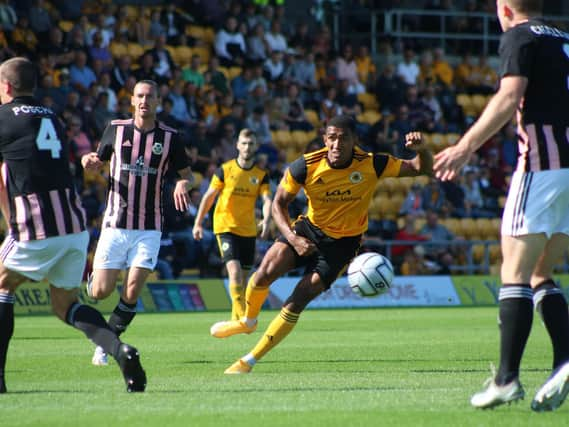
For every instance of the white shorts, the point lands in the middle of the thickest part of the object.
(538, 202)
(118, 249)
(60, 259)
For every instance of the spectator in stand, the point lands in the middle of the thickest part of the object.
(120, 72)
(301, 38)
(408, 69)
(155, 28)
(193, 73)
(441, 67)
(329, 107)
(40, 20)
(101, 28)
(414, 263)
(473, 201)
(402, 126)
(24, 38)
(346, 69)
(484, 77)
(105, 86)
(293, 109)
(146, 71)
(274, 68)
(258, 95)
(427, 69)
(235, 117)
(100, 116)
(250, 16)
(322, 41)
(99, 52)
(348, 100)
(463, 74)
(421, 117)
(509, 147)
(163, 63)
(434, 197)
(408, 232)
(76, 39)
(257, 46)
(389, 89)
(433, 231)
(413, 203)
(124, 112)
(367, 71)
(230, 45)
(172, 22)
(216, 78)
(430, 100)
(275, 39)
(47, 89)
(81, 75)
(80, 143)
(240, 84)
(302, 71)
(56, 49)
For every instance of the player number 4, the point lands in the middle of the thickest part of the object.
(47, 138)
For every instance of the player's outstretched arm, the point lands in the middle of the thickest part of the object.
(422, 164)
(497, 113)
(91, 161)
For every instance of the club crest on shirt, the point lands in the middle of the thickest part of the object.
(356, 177)
(254, 180)
(157, 148)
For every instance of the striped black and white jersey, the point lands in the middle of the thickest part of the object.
(138, 162)
(540, 53)
(35, 171)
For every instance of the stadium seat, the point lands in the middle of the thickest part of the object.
(300, 139)
(118, 50)
(369, 117)
(468, 228)
(389, 184)
(453, 224)
(135, 50)
(203, 52)
(479, 102)
(183, 55)
(312, 117)
(65, 26)
(234, 72)
(438, 141)
(369, 101)
(291, 154)
(283, 139)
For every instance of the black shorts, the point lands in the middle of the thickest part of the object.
(332, 255)
(234, 247)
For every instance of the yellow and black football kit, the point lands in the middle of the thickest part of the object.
(338, 203)
(234, 220)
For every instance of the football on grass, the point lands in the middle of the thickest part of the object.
(370, 274)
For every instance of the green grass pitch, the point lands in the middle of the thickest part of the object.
(382, 367)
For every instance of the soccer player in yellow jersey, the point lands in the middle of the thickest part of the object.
(238, 183)
(339, 181)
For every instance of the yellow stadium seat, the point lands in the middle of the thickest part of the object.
(388, 183)
(300, 138)
(464, 100)
(479, 102)
(312, 117)
(198, 178)
(196, 31)
(453, 224)
(283, 139)
(468, 227)
(119, 50)
(203, 52)
(65, 26)
(135, 50)
(369, 101)
(183, 55)
(369, 117)
(292, 154)
(234, 72)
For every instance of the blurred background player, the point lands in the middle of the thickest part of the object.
(339, 181)
(535, 225)
(141, 151)
(238, 182)
(47, 237)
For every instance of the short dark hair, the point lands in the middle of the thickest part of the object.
(21, 73)
(527, 6)
(343, 122)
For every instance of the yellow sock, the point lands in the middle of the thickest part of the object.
(237, 294)
(254, 297)
(277, 330)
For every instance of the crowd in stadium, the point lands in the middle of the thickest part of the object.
(222, 66)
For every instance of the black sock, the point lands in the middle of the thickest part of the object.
(92, 323)
(550, 303)
(122, 316)
(516, 315)
(6, 331)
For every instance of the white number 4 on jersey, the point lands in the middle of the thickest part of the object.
(47, 138)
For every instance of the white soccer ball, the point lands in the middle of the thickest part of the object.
(370, 274)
